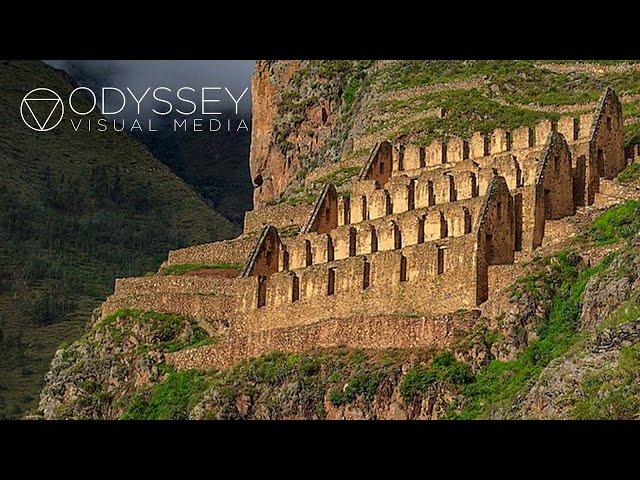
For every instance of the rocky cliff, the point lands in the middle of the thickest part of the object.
(299, 113)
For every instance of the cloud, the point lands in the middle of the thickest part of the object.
(140, 74)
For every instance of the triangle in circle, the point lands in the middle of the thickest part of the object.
(52, 104)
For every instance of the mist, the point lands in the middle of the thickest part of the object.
(138, 75)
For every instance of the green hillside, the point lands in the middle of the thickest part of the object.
(215, 164)
(77, 209)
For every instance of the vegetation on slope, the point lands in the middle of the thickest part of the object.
(488, 390)
(275, 385)
(496, 385)
(471, 380)
(612, 393)
(77, 209)
(95, 376)
(215, 164)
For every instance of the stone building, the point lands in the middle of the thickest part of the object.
(416, 238)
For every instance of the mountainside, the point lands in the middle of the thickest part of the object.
(560, 342)
(77, 209)
(316, 121)
(213, 163)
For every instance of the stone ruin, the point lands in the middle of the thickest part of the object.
(416, 239)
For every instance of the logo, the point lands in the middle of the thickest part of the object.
(41, 109)
(184, 109)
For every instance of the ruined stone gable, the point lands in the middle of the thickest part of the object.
(554, 179)
(607, 136)
(324, 217)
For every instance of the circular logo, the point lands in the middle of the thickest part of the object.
(41, 109)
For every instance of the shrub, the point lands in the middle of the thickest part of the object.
(171, 399)
(443, 368)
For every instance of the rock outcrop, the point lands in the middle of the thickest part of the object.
(299, 110)
(93, 377)
(562, 390)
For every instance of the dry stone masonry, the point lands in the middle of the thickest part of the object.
(415, 240)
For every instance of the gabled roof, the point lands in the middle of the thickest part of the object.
(609, 94)
(329, 188)
(367, 166)
(497, 181)
(266, 231)
(554, 138)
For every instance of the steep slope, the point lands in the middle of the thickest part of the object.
(77, 209)
(564, 345)
(315, 121)
(213, 163)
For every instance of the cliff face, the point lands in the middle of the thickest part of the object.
(297, 108)
(269, 172)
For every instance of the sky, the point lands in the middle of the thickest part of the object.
(140, 74)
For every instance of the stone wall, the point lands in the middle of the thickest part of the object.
(417, 236)
(202, 298)
(364, 332)
(482, 148)
(595, 141)
(433, 277)
(228, 251)
(282, 216)
(386, 233)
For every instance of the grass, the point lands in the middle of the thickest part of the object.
(306, 195)
(515, 81)
(276, 381)
(631, 134)
(184, 268)
(617, 223)
(467, 111)
(402, 75)
(628, 311)
(444, 368)
(118, 362)
(166, 328)
(339, 177)
(171, 399)
(630, 174)
(609, 393)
